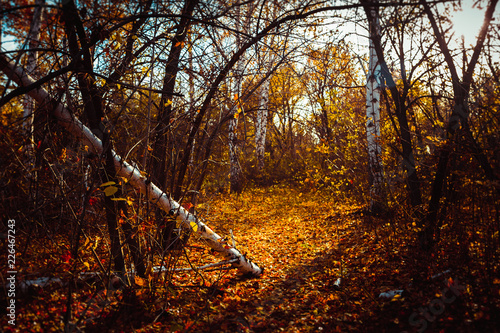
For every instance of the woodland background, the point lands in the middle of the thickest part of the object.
(254, 117)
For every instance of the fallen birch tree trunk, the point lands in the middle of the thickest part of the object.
(132, 174)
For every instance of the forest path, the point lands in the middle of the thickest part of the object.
(305, 242)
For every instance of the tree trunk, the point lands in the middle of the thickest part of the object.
(160, 160)
(263, 110)
(261, 125)
(33, 41)
(110, 207)
(373, 88)
(66, 119)
(235, 168)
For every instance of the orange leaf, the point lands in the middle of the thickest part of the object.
(139, 281)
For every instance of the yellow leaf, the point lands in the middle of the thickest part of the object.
(194, 226)
(167, 103)
(107, 184)
(86, 264)
(110, 190)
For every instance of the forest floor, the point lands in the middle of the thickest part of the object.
(305, 242)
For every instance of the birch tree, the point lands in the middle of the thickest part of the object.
(373, 89)
(263, 107)
(261, 125)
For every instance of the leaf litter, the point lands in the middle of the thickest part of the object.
(325, 265)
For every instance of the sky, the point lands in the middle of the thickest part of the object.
(468, 22)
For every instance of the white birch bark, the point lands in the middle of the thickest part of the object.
(133, 174)
(261, 125)
(373, 88)
(33, 41)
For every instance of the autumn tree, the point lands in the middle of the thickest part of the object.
(333, 91)
(458, 122)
